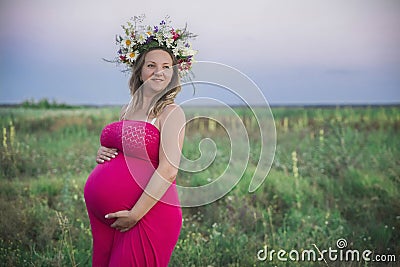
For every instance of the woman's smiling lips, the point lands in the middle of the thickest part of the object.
(157, 79)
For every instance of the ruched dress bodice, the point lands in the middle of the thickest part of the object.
(133, 138)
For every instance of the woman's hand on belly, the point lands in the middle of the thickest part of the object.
(125, 220)
(105, 154)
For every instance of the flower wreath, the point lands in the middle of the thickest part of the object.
(140, 38)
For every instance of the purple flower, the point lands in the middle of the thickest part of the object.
(187, 45)
(162, 22)
(155, 28)
(149, 39)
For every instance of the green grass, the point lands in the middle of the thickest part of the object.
(347, 187)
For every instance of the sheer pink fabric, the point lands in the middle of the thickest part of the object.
(117, 185)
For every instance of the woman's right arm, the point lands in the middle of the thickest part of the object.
(107, 153)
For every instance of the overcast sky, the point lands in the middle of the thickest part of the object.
(296, 52)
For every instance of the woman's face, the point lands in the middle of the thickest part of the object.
(157, 70)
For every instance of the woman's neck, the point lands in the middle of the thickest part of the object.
(147, 98)
(146, 102)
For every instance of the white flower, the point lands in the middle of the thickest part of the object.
(142, 38)
(126, 43)
(168, 42)
(149, 31)
(168, 35)
(180, 45)
(164, 37)
(183, 49)
(160, 37)
(132, 56)
(184, 67)
(163, 29)
(188, 52)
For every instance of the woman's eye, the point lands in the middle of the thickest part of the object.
(167, 67)
(150, 65)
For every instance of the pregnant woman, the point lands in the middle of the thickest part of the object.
(131, 196)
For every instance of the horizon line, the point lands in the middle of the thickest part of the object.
(315, 105)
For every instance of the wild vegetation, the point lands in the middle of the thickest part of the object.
(335, 175)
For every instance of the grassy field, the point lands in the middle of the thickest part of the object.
(336, 175)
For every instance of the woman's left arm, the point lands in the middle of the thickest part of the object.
(172, 128)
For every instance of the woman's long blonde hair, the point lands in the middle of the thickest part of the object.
(160, 101)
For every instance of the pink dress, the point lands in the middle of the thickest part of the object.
(117, 185)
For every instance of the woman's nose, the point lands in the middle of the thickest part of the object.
(158, 71)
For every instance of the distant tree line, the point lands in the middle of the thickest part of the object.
(45, 103)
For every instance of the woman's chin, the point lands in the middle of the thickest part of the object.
(157, 87)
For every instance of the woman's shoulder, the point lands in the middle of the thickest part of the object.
(172, 110)
(172, 114)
